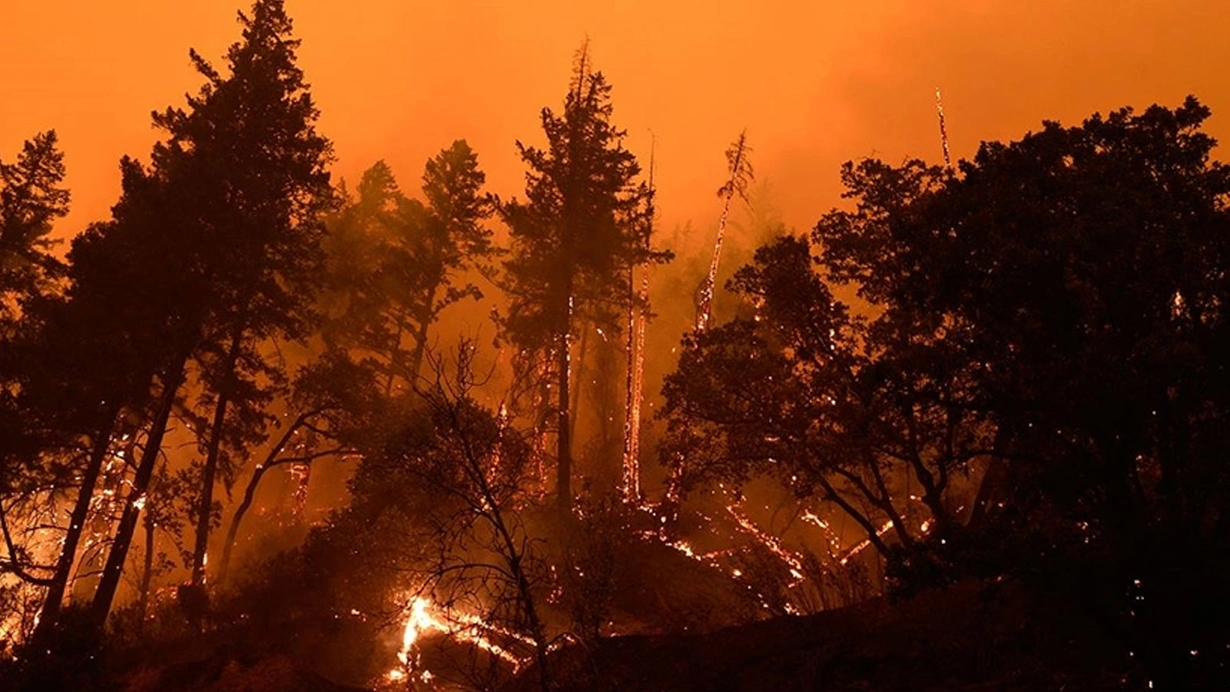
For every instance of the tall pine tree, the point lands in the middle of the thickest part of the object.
(575, 238)
(243, 180)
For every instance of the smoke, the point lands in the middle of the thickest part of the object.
(816, 83)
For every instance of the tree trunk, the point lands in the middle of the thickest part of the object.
(420, 338)
(76, 526)
(388, 383)
(210, 471)
(514, 558)
(527, 599)
(147, 575)
(563, 483)
(575, 394)
(630, 475)
(233, 531)
(110, 581)
(994, 478)
(250, 493)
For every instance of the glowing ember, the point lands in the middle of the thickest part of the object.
(862, 545)
(423, 616)
(740, 173)
(302, 475)
(939, 107)
(771, 543)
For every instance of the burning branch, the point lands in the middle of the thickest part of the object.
(939, 108)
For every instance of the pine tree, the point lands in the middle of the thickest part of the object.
(399, 262)
(87, 361)
(242, 183)
(31, 198)
(575, 239)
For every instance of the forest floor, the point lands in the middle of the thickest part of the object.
(972, 636)
(968, 637)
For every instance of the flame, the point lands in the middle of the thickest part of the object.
(418, 621)
(862, 545)
(302, 474)
(424, 616)
(771, 543)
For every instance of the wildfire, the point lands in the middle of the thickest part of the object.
(771, 543)
(862, 545)
(740, 174)
(939, 107)
(423, 616)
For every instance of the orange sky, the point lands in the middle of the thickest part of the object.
(816, 82)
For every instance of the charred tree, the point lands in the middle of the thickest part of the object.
(740, 170)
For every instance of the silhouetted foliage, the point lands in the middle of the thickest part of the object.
(1057, 307)
(397, 263)
(31, 198)
(574, 240)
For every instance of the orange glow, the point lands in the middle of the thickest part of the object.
(817, 81)
(424, 616)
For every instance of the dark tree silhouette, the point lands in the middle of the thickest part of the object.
(31, 198)
(838, 407)
(574, 240)
(398, 263)
(331, 405)
(1059, 304)
(234, 196)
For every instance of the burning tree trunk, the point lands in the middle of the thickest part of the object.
(76, 526)
(637, 302)
(563, 449)
(531, 374)
(939, 109)
(135, 502)
(740, 175)
(635, 387)
(210, 470)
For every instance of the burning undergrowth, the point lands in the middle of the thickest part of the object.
(444, 571)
